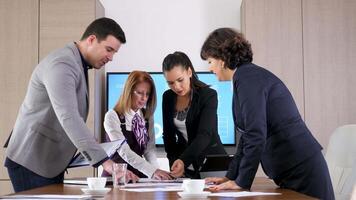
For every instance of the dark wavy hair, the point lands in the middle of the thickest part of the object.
(228, 45)
(181, 59)
(103, 27)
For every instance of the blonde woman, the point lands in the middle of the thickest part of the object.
(132, 119)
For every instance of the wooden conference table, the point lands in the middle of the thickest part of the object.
(260, 185)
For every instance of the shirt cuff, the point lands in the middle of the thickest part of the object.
(149, 170)
(230, 175)
(100, 162)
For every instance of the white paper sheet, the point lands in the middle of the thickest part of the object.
(83, 181)
(154, 189)
(46, 196)
(75, 181)
(149, 180)
(135, 185)
(242, 194)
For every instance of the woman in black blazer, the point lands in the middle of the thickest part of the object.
(267, 120)
(189, 117)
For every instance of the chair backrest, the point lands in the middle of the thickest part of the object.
(353, 196)
(341, 159)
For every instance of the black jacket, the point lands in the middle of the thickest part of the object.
(201, 123)
(271, 128)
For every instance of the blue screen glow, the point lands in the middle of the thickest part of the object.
(116, 81)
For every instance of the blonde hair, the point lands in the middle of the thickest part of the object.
(125, 101)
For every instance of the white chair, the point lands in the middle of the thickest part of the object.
(353, 196)
(341, 159)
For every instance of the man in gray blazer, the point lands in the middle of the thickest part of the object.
(50, 126)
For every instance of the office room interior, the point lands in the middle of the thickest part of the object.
(310, 45)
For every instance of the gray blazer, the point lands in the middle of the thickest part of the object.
(50, 125)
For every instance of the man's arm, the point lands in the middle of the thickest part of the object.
(61, 81)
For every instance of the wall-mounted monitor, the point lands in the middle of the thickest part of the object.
(115, 82)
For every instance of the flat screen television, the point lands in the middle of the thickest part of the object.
(115, 82)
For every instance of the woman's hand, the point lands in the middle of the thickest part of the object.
(161, 175)
(177, 169)
(228, 185)
(215, 180)
(130, 176)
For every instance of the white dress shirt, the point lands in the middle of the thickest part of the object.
(147, 165)
(181, 127)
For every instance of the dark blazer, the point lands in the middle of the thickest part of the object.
(201, 123)
(270, 127)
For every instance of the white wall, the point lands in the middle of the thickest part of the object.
(155, 28)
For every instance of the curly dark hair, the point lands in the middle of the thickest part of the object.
(228, 45)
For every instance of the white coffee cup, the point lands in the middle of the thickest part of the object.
(193, 185)
(96, 183)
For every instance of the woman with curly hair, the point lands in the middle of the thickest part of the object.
(267, 121)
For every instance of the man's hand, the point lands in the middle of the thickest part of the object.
(130, 176)
(177, 169)
(107, 165)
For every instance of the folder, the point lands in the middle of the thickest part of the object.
(109, 147)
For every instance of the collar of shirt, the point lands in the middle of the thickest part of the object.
(86, 65)
(129, 115)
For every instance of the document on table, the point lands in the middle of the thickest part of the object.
(241, 194)
(46, 196)
(83, 181)
(150, 180)
(142, 185)
(154, 189)
(76, 181)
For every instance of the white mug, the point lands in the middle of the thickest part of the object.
(96, 183)
(193, 185)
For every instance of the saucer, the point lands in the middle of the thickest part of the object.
(96, 192)
(203, 194)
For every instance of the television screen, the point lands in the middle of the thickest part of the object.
(115, 82)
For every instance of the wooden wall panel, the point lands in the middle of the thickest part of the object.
(6, 187)
(62, 22)
(29, 30)
(329, 30)
(274, 28)
(19, 55)
(99, 90)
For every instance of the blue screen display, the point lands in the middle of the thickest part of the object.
(116, 82)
